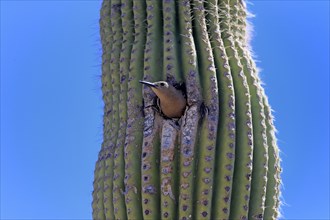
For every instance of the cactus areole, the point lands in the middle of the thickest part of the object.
(219, 158)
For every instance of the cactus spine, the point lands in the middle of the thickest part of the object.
(220, 160)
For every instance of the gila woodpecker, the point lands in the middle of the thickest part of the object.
(172, 101)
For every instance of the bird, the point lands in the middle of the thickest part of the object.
(172, 101)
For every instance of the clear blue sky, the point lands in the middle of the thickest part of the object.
(51, 106)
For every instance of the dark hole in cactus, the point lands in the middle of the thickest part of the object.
(184, 197)
(232, 136)
(204, 214)
(169, 67)
(169, 58)
(145, 178)
(229, 167)
(208, 158)
(230, 155)
(186, 163)
(207, 180)
(165, 170)
(147, 212)
(116, 7)
(203, 110)
(206, 192)
(187, 151)
(228, 178)
(144, 154)
(205, 202)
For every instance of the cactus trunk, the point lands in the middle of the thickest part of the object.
(220, 160)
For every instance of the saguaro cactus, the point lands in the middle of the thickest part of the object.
(220, 159)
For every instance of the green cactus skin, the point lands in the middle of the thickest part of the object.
(220, 160)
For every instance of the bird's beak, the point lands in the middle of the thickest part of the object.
(147, 83)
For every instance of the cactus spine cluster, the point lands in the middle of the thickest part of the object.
(220, 160)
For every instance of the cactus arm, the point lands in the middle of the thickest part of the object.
(244, 135)
(168, 164)
(207, 142)
(134, 130)
(225, 150)
(171, 57)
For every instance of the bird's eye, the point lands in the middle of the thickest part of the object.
(162, 84)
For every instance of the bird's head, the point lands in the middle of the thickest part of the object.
(161, 88)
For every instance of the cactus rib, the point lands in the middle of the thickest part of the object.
(244, 133)
(191, 118)
(134, 130)
(207, 143)
(225, 150)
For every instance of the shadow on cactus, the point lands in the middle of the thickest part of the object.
(204, 147)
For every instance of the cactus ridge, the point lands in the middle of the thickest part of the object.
(209, 124)
(220, 160)
(260, 151)
(225, 148)
(134, 130)
(99, 172)
(110, 198)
